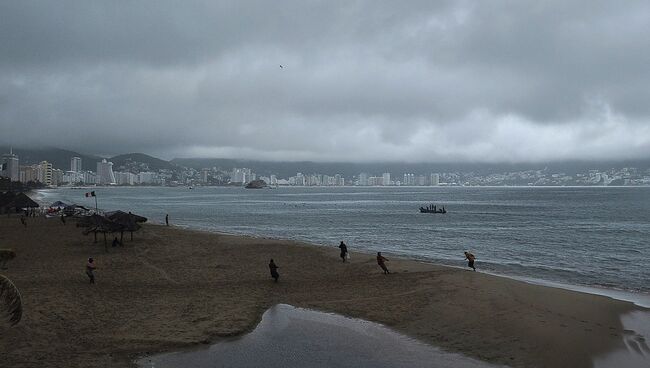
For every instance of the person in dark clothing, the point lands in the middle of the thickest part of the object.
(167, 219)
(274, 270)
(344, 250)
(470, 260)
(23, 221)
(90, 269)
(381, 262)
(63, 219)
(116, 242)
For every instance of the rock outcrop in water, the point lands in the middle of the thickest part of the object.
(256, 184)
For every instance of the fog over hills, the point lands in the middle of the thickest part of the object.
(60, 158)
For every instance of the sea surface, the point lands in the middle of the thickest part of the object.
(581, 236)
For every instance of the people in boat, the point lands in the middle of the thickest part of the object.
(344, 250)
(470, 260)
(381, 262)
(274, 270)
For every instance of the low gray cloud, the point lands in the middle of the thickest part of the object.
(360, 80)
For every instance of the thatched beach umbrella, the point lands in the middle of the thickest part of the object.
(6, 200)
(23, 201)
(113, 214)
(10, 300)
(128, 221)
(15, 201)
(99, 224)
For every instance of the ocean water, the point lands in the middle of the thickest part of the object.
(584, 236)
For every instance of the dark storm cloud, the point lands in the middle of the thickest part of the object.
(418, 81)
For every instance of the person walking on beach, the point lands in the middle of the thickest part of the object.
(167, 219)
(470, 260)
(344, 251)
(274, 270)
(381, 262)
(90, 269)
(63, 219)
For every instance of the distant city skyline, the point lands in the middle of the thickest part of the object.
(133, 172)
(454, 81)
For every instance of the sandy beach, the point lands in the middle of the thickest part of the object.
(171, 288)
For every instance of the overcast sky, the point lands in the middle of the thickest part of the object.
(433, 81)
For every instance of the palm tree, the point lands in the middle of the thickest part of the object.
(10, 300)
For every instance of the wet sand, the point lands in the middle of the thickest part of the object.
(291, 337)
(171, 288)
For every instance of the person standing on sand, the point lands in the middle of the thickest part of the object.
(344, 250)
(381, 262)
(274, 270)
(167, 219)
(63, 219)
(90, 269)
(470, 260)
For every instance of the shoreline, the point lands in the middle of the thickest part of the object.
(637, 298)
(173, 288)
(543, 273)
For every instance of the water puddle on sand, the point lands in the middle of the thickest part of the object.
(294, 337)
(636, 339)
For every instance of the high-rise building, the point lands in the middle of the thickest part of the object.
(105, 173)
(205, 174)
(242, 175)
(10, 166)
(125, 178)
(300, 179)
(75, 164)
(409, 179)
(363, 179)
(339, 180)
(44, 172)
(28, 173)
(386, 179)
(57, 177)
(89, 177)
(148, 177)
(435, 179)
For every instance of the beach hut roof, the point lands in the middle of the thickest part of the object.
(126, 220)
(121, 214)
(97, 223)
(59, 204)
(23, 201)
(13, 200)
(6, 198)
